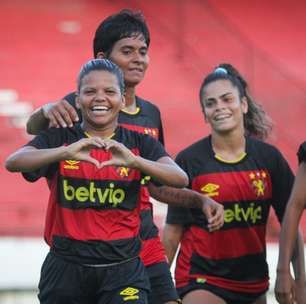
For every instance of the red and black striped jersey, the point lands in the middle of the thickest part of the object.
(302, 153)
(94, 214)
(233, 257)
(147, 120)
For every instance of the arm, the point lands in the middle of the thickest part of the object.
(172, 236)
(187, 198)
(58, 114)
(29, 158)
(284, 284)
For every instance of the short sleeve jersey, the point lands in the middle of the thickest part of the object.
(93, 215)
(302, 153)
(233, 257)
(146, 120)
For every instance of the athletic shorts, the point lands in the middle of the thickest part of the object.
(229, 296)
(162, 286)
(64, 282)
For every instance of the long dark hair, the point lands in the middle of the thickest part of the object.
(256, 122)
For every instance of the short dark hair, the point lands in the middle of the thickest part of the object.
(124, 24)
(101, 65)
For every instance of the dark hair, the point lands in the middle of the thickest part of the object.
(124, 24)
(256, 122)
(101, 65)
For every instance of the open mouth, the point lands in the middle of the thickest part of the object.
(100, 110)
(222, 117)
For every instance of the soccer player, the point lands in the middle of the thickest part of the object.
(287, 291)
(92, 223)
(124, 38)
(237, 169)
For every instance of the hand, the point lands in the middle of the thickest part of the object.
(214, 213)
(285, 289)
(80, 150)
(300, 291)
(121, 155)
(60, 114)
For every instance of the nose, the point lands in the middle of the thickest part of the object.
(100, 95)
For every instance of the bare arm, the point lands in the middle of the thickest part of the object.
(28, 158)
(57, 114)
(288, 239)
(187, 198)
(172, 236)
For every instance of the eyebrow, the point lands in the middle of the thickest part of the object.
(222, 96)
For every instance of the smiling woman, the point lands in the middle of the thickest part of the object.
(241, 172)
(93, 218)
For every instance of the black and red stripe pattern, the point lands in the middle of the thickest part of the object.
(233, 257)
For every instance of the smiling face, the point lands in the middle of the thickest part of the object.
(131, 55)
(100, 100)
(223, 106)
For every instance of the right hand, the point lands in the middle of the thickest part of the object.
(60, 114)
(80, 150)
(214, 213)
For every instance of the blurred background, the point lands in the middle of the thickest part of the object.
(44, 43)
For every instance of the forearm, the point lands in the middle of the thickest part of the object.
(177, 197)
(171, 238)
(27, 160)
(298, 261)
(288, 237)
(164, 173)
(37, 122)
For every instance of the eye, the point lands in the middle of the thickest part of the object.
(209, 103)
(89, 92)
(126, 51)
(110, 92)
(143, 52)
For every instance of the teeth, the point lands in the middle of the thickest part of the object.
(99, 108)
(221, 117)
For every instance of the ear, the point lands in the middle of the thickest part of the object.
(101, 55)
(123, 103)
(244, 105)
(77, 101)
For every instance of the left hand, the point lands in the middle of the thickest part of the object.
(121, 155)
(285, 288)
(214, 213)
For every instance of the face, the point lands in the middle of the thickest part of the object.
(131, 55)
(100, 99)
(223, 107)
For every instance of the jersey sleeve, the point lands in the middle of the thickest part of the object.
(161, 132)
(282, 182)
(151, 149)
(45, 140)
(302, 153)
(179, 215)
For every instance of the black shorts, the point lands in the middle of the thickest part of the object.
(229, 296)
(162, 286)
(64, 282)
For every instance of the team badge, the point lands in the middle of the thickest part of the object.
(123, 171)
(210, 189)
(150, 132)
(258, 180)
(129, 293)
(71, 164)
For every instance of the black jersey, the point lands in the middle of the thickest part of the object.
(93, 215)
(233, 257)
(302, 153)
(146, 120)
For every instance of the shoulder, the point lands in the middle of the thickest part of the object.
(302, 152)
(147, 106)
(263, 149)
(200, 148)
(71, 98)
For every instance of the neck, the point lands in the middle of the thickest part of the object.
(103, 132)
(229, 146)
(130, 99)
